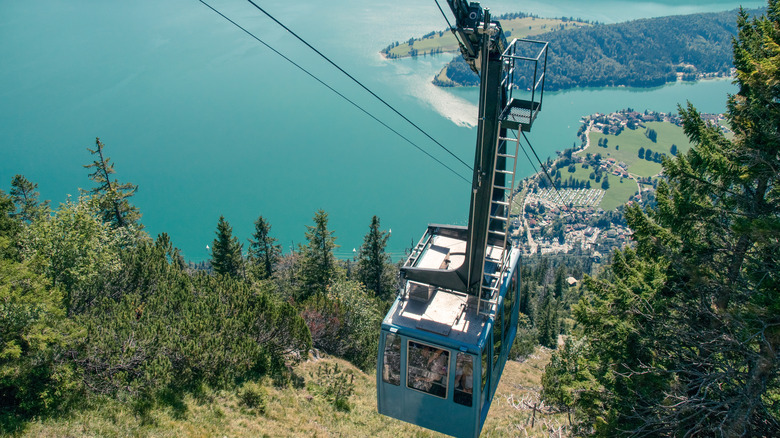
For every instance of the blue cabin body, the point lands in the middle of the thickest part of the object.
(440, 357)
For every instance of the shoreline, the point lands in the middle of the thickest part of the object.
(705, 77)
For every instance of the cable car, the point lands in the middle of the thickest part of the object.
(445, 340)
(442, 351)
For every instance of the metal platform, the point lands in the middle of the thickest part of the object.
(520, 114)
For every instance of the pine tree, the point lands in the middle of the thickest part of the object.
(684, 331)
(9, 228)
(25, 196)
(547, 320)
(114, 196)
(318, 264)
(264, 252)
(560, 282)
(372, 261)
(226, 251)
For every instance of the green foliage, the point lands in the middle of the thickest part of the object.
(75, 248)
(24, 194)
(254, 396)
(32, 328)
(226, 255)
(547, 320)
(652, 134)
(336, 385)
(345, 322)
(112, 196)
(526, 339)
(318, 265)
(9, 229)
(170, 330)
(264, 252)
(373, 264)
(567, 377)
(683, 332)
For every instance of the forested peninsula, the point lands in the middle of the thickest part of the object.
(640, 53)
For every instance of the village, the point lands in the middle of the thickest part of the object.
(578, 215)
(547, 226)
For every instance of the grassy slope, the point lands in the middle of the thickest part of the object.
(625, 148)
(519, 28)
(295, 412)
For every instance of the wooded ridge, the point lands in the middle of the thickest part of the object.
(640, 53)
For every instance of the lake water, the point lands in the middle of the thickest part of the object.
(209, 122)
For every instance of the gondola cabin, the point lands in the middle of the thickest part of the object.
(445, 340)
(440, 355)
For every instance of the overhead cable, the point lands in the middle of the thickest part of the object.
(543, 168)
(445, 16)
(333, 90)
(358, 82)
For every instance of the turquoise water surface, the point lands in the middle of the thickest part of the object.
(209, 122)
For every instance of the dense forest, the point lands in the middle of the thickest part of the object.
(640, 53)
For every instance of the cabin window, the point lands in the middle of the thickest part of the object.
(427, 369)
(391, 369)
(484, 368)
(509, 303)
(497, 332)
(464, 379)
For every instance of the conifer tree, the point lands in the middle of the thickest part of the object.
(560, 282)
(684, 331)
(226, 251)
(547, 320)
(264, 252)
(25, 196)
(372, 261)
(318, 264)
(113, 195)
(9, 228)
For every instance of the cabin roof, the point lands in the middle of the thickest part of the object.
(448, 315)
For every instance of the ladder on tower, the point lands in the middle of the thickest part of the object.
(495, 264)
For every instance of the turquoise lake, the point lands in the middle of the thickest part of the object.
(209, 122)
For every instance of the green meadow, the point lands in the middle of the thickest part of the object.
(624, 147)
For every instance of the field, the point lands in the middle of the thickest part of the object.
(625, 148)
(300, 411)
(515, 28)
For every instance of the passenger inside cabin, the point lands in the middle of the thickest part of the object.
(437, 363)
(428, 369)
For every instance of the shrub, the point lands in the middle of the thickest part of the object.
(254, 396)
(335, 384)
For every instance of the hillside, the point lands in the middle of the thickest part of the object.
(639, 53)
(262, 409)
